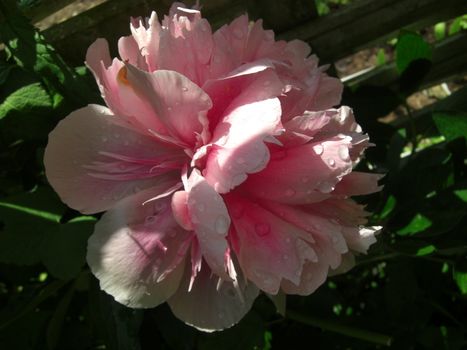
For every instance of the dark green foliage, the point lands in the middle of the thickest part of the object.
(410, 292)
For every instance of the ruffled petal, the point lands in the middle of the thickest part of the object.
(137, 251)
(210, 306)
(146, 34)
(93, 162)
(357, 183)
(210, 221)
(268, 248)
(239, 143)
(303, 174)
(186, 44)
(179, 104)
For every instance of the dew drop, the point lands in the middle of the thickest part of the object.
(325, 187)
(267, 83)
(343, 152)
(184, 89)
(319, 149)
(201, 207)
(262, 229)
(240, 160)
(150, 220)
(290, 192)
(331, 162)
(169, 108)
(221, 225)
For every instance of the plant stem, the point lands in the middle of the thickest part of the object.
(327, 325)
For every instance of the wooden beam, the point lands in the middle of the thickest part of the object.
(365, 22)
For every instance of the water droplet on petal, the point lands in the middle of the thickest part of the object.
(331, 162)
(262, 229)
(184, 89)
(169, 108)
(222, 225)
(343, 152)
(240, 160)
(201, 207)
(150, 220)
(290, 192)
(325, 187)
(319, 149)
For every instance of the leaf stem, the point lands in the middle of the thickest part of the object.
(326, 325)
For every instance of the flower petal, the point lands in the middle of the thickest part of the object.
(268, 248)
(357, 183)
(92, 161)
(137, 251)
(239, 143)
(210, 220)
(210, 307)
(302, 174)
(179, 104)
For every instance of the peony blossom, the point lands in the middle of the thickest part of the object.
(223, 168)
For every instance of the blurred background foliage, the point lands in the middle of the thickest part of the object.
(409, 292)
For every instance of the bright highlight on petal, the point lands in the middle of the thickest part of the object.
(224, 168)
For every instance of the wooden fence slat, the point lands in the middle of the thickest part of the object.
(362, 23)
(449, 59)
(45, 8)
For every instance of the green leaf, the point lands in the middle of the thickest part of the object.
(440, 30)
(461, 194)
(417, 224)
(426, 250)
(461, 280)
(32, 233)
(5, 69)
(381, 57)
(451, 125)
(410, 47)
(25, 100)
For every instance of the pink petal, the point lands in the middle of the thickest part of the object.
(268, 248)
(239, 143)
(302, 174)
(137, 251)
(248, 83)
(146, 34)
(210, 307)
(360, 239)
(210, 220)
(130, 52)
(179, 104)
(186, 44)
(92, 162)
(357, 183)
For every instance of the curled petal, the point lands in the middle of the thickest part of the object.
(239, 147)
(137, 251)
(92, 161)
(209, 306)
(210, 221)
(303, 174)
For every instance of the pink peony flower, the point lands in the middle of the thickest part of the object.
(222, 166)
